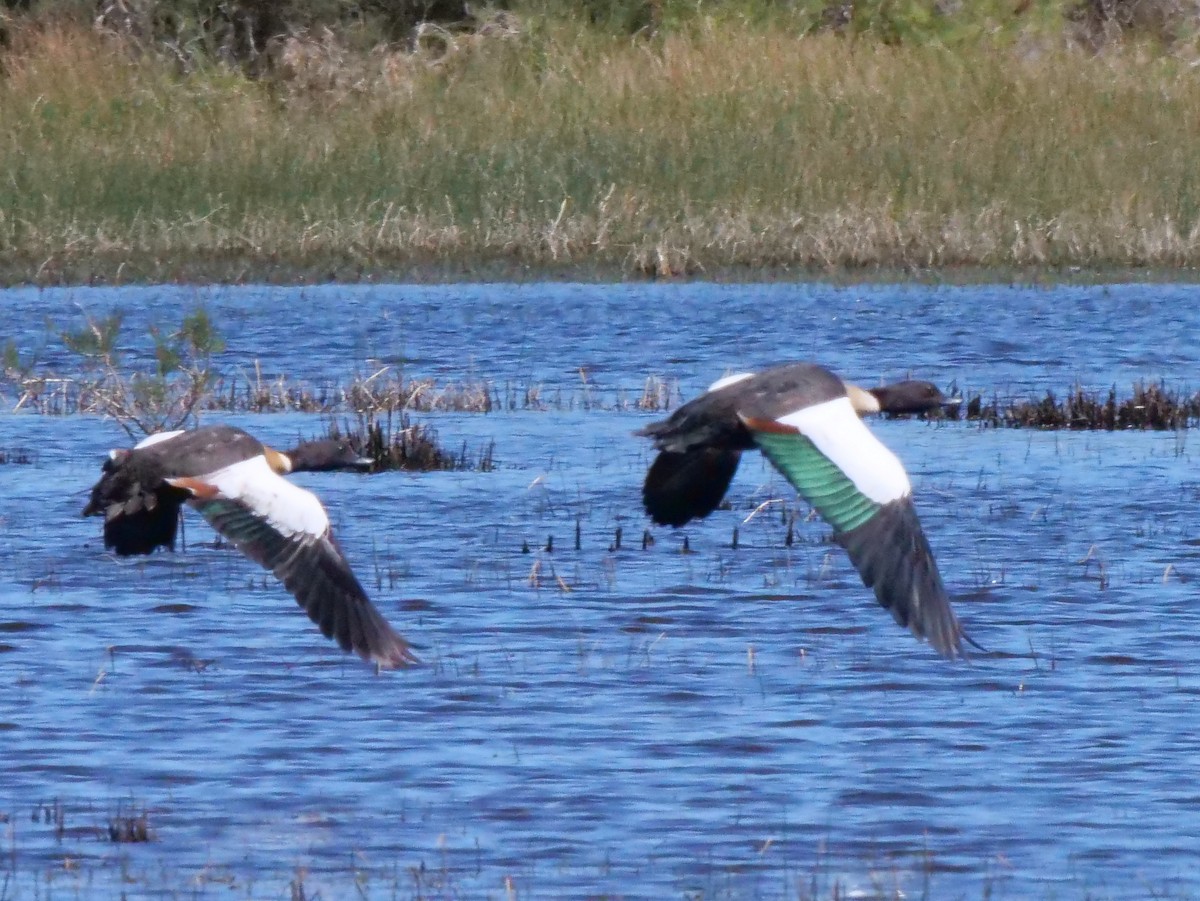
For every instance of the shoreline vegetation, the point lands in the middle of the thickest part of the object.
(569, 138)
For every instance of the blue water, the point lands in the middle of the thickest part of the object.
(624, 722)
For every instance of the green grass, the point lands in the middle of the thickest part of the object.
(717, 146)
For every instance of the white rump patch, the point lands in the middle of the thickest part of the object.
(730, 380)
(840, 435)
(287, 508)
(157, 438)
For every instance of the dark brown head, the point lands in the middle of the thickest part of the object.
(912, 396)
(327, 455)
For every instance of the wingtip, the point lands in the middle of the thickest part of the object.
(952, 650)
(893, 557)
(960, 651)
(952, 643)
(398, 656)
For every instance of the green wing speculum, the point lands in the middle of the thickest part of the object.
(817, 478)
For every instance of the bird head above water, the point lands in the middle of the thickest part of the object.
(325, 455)
(909, 396)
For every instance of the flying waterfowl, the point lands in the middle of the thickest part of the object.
(805, 420)
(236, 483)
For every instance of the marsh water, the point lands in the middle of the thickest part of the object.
(653, 720)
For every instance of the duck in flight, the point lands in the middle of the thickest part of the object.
(236, 482)
(805, 420)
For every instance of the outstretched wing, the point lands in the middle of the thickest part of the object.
(285, 529)
(861, 489)
(684, 485)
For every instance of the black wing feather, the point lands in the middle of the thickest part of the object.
(314, 570)
(143, 520)
(682, 486)
(891, 553)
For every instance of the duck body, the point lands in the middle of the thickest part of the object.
(805, 420)
(701, 443)
(236, 483)
(140, 506)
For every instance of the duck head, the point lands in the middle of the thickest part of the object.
(327, 455)
(909, 396)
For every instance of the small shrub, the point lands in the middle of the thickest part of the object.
(1100, 22)
(166, 397)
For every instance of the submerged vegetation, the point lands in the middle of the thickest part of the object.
(395, 442)
(249, 140)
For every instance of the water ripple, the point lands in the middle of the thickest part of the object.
(719, 723)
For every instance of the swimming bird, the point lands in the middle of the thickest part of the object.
(805, 420)
(235, 481)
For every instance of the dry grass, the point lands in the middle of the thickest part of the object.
(711, 148)
(381, 394)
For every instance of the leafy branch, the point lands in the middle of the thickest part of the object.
(167, 396)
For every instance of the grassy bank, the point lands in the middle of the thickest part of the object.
(723, 145)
